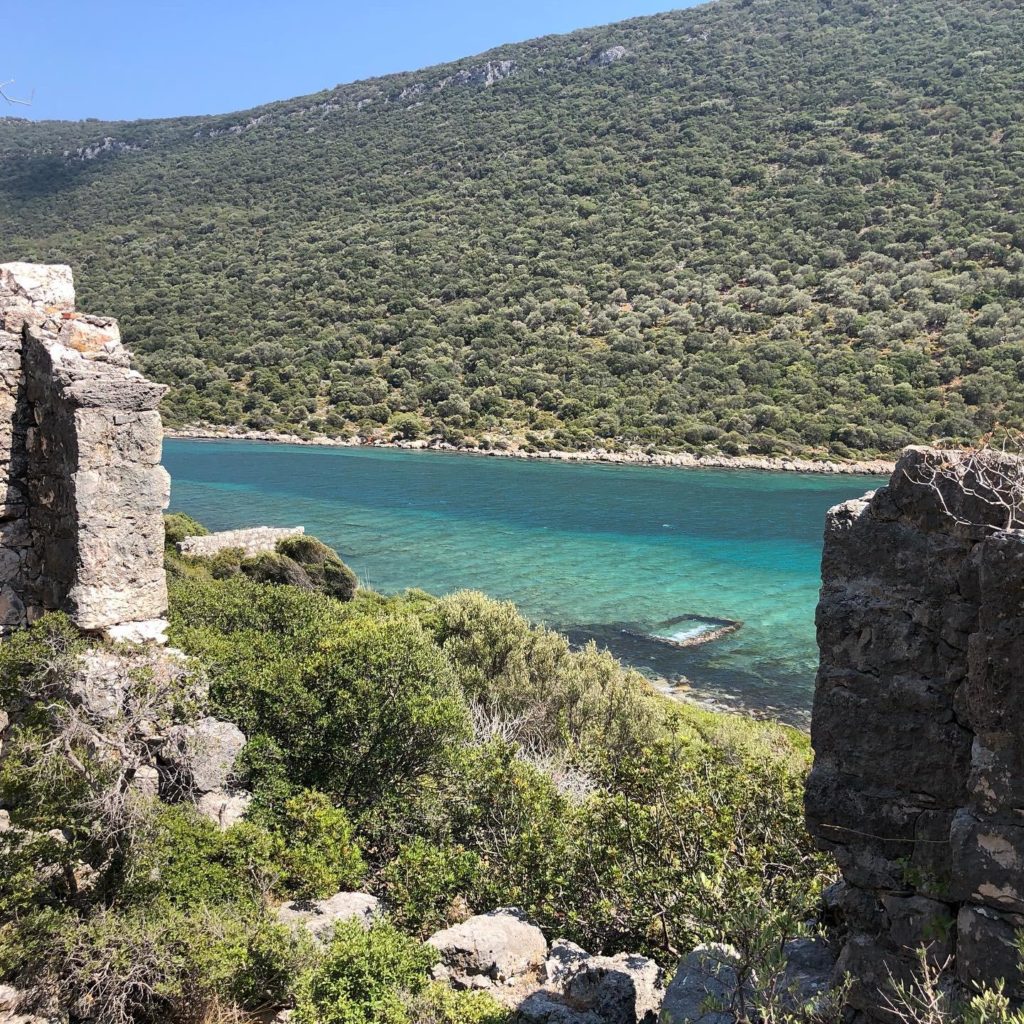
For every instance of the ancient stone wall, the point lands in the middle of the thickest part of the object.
(918, 729)
(83, 491)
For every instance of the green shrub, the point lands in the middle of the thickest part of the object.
(270, 567)
(157, 962)
(320, 852)
(424, 883)
(364, 977)
(324, 567)
(306, 550)
(437, 1003)
(178, 526)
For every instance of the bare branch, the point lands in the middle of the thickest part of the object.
(5, 95)
(992, 475)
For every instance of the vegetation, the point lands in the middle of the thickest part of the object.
(776, 226)
(441, 753)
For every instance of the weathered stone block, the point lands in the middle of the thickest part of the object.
(987, 949)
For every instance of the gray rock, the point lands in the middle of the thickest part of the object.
(704, 987)
(200, 758)
(808, 973)
(224, 809)
(319, 917)
(565, 959)
(611, 56)
(501, 946)
(622, 989)
(544, 1007)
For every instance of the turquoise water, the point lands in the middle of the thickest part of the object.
(604, 552)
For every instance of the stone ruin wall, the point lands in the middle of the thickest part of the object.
(918, 732)
(82, 489)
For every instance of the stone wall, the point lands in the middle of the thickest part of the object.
(918, 730)
(83, 491)
(252, 540)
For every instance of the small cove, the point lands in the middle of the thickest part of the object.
(609, 553)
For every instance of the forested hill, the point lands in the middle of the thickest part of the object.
(757, 225)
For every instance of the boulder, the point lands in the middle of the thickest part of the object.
(319, 917)
(808, 973)
(501, 947)
(546, 1007)
(622, 989)
(224, 809)
(703, 988)
(200, 758)
(565, 960)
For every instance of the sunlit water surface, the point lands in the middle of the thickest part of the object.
(604, 552)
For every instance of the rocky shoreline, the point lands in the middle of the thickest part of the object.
(683, 460)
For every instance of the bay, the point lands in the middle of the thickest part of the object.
(609, 553)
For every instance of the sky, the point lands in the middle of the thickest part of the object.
(124, 59)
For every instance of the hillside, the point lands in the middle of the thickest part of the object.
(776, 226)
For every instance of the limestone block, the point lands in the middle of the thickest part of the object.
(51, 286)
(320, 916)
(988, 862)
(200, 758)
(500, 946)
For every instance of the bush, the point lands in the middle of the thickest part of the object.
(178, 526)
(271, 567)
(320, 851)
(364, 977)
(426, 883)
(325, 568)
(160, 963)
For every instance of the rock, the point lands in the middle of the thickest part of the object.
(252, 541)
(5, 821)
(543, 1007)
(151, 631)
(200, 758)
(565, 959)
(501, 946)
(808, 972)
(622, 989)
(146, 781)
(11, 1004)
(320, 916)
(918, 722)
(224, 809)
(611, 56)
(704, 987)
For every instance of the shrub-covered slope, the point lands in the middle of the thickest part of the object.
(765, 225)
(440, 753)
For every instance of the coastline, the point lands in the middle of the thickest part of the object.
(681, 460)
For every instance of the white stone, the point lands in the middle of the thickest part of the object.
(149, 631)
(319, 917)
(501, 945)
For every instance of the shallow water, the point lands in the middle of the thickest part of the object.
(602, 552)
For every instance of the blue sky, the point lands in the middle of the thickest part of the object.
(116, 59)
